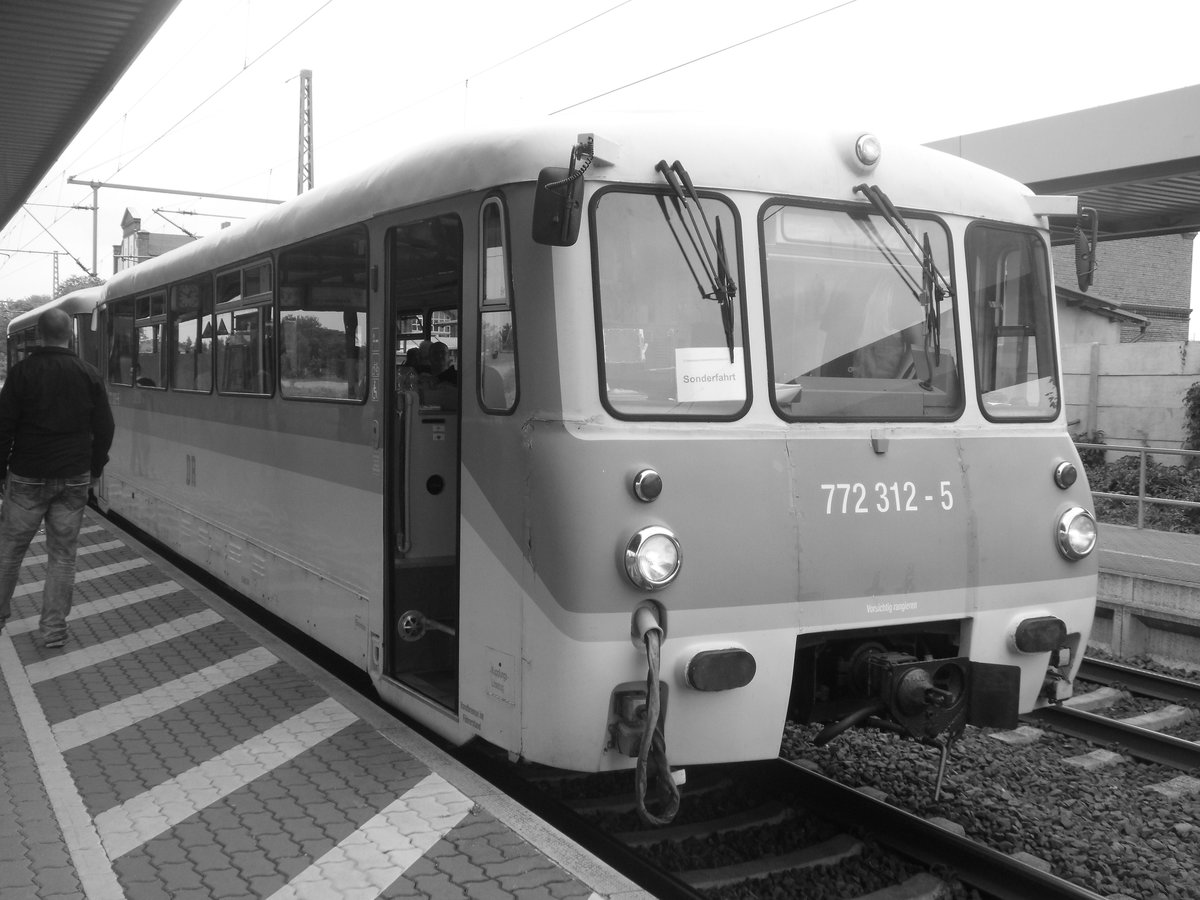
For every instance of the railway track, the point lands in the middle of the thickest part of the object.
(1134, 736)
(797, 832)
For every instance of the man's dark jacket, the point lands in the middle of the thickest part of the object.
(55, 421)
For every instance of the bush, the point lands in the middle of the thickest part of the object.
(1162, 481)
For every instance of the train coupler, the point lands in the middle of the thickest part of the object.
(925, 698)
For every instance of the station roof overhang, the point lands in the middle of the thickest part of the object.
(1137, 162)
(59, 59)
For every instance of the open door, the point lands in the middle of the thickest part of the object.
(424, 302)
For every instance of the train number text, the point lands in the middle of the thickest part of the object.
(843, 499)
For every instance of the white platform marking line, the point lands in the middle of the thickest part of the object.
(107, 719)
(130, 643)
(366, 862)
(128, 826)
(92, 866)
(35, 587)
(40, 537)
(102, 605)
(82, 551)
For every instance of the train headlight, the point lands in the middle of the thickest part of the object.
(1076, 533)
(652, 558)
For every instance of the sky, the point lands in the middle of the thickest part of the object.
(212, 103)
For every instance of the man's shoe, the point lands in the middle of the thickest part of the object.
(55, 643)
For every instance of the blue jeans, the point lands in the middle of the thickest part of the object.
(27, 503)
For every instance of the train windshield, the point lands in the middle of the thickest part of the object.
(662, 338)
(853, 335)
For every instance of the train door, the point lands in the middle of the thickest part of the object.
(424, 303)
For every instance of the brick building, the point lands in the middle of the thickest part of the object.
(1150, 277)
(138, 245)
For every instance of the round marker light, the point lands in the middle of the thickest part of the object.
(868, 149)
(647, 485)
(1076, 533)
(652, 558)
(1065, 474)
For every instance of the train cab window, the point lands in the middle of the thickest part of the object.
(122, 342)
(21, 344)
(497, 327)
(192, 335)
(851, 335)
(323, 318)
(1011, 311)
(87, 341)
(666, 350)
(245, 331)
(150, 321)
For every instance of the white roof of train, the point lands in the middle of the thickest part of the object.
(719, 154)
(83, 300)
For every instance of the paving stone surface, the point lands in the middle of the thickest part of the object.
(164, 753)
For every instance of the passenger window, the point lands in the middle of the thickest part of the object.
(497, 328)
(122, 347)
(323, 318)
(245, 332)
(192, 335)
(151, 314)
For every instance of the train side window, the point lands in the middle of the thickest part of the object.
(192, 335)
(1012, 307)
(497, 327)
(122, 344)
(245, 331)
(323, 318)
(150, 320)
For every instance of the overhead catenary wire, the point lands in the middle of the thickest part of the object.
(705, 56)
(249, 62)
(246, 65)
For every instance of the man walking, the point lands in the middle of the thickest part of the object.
(55, 432)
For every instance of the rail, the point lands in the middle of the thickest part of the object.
(1140, 496)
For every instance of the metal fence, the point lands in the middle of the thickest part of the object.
(1141, 498)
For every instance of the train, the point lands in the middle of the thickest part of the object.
(81, 305)
(614, 463)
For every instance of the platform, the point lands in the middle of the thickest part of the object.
(1148, 595)
(175, 750)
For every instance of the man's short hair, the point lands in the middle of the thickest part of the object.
(54, 327)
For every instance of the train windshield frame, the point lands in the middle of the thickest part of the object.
(850, 334)
(660, 335)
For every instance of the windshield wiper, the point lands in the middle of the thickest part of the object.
(714, 263)
(934, 286)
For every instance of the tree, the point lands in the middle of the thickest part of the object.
(75, 282)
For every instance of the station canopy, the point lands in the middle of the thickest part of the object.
(1136, 162)
(58, 61)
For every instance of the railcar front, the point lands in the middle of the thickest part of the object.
(80, 305)
(795, 417)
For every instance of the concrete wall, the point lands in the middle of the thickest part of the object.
(1132, 392)
(1137, 616)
